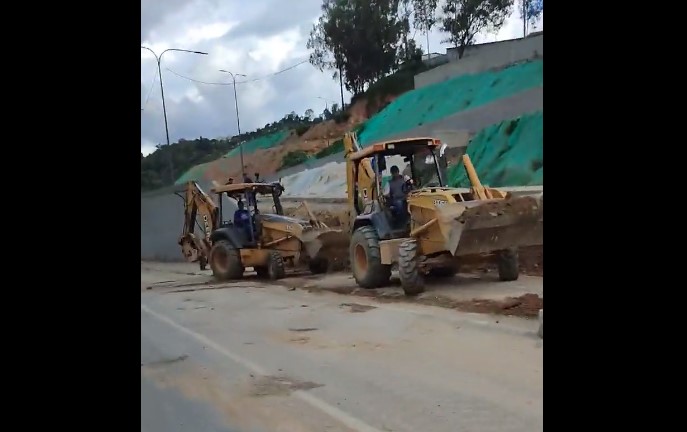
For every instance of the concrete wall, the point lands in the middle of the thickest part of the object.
(162, 221)
(483, 57)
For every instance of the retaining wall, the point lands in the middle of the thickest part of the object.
(483, 57)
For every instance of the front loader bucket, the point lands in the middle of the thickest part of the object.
(323, 241)
(486, 226)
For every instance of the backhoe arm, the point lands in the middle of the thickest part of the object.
(364, 172)
(478, 190)
(196, 201)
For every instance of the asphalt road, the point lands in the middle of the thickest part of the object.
(248, 357)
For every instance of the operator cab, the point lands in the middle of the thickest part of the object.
(247, 233)
(416, 163)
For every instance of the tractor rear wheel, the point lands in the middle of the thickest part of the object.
(412, 280)
(225, 261)
(318, 265)
(275, 266)
(366, 259)
(508, 264)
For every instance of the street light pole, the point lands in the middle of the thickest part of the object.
(158, 59)
(238, 121)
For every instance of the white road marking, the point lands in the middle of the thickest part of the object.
(317, 403)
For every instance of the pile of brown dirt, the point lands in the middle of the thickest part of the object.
(526, 305)
(531, 263)
(263, 161)
(335, 218)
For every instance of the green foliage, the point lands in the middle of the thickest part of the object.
(341, 117)
(187, 154)
(424, 14)
(184, 154)
(300, 130)
(293, 158)
(349, 31)
(335, 147)
(464, 19)
(395, 84)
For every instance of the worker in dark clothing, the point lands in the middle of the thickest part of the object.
(396, 193)
(242, 219)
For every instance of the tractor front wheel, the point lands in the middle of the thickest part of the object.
(366, 259)
(412, 280)
(508, 264)
(225, 261)
(275, 266)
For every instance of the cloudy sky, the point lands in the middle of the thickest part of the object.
(256, 38)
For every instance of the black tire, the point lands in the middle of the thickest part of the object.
(318, 265)
(412, 281)
(261, 271)
(443, 272)
(508, 264)
(275, 266)
(225, 261)
(366, 259)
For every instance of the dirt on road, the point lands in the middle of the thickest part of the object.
(526, 305)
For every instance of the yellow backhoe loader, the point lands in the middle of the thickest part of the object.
(423, 227)
(264, 241)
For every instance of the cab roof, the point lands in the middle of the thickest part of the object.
(239, 188)
(394, 147)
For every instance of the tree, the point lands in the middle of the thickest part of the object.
(530, 12)
(309, 113)
(425, 17)
(464, 19)
(404, 12)
(326, 114)
(356, 38)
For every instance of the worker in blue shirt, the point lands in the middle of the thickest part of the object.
(242, 219)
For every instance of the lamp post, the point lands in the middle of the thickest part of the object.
(238, 122)
(158, 58)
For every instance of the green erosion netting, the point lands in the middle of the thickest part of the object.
(264, 142)
(509, 153)
(194, 173)
(434, 102)
(268, 141)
